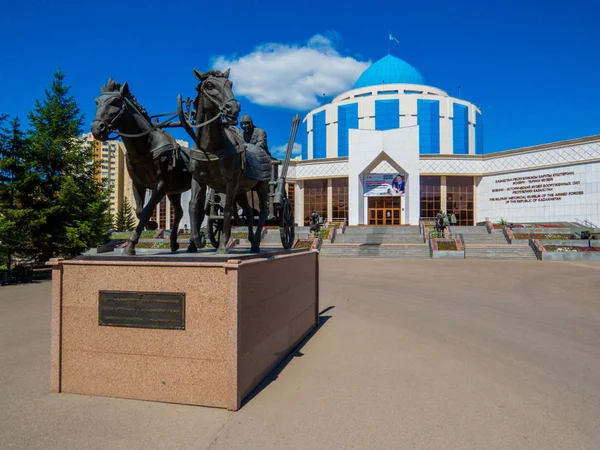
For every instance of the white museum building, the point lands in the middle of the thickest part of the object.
(393, 150)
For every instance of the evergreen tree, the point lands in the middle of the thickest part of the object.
(68, 210)
(14, 180)
(125, 220)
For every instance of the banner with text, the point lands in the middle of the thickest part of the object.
(384, 184)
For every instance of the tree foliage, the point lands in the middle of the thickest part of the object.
(125, 220)
(52, 204)
(14, 179)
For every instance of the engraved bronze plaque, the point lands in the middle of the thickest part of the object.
(136, 309)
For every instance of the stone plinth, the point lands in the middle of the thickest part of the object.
(243, 315)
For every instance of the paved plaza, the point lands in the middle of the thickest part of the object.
(415, 354)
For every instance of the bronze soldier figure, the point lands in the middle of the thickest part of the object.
(254, 135)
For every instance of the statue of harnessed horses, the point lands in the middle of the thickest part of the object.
(154, 159)
(221, 160)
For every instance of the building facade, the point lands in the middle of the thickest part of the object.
(111, 157)
(393, 150)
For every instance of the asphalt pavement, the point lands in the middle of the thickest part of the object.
(415, 354)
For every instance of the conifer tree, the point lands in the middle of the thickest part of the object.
(125, 220)
(68, 209)
(14, 179)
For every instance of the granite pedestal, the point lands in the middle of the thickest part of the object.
(242, 315)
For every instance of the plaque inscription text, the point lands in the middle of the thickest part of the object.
(142, 309)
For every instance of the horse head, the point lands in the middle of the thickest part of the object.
(115, 100)
(215, 96)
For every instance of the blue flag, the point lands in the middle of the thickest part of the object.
(392, 38)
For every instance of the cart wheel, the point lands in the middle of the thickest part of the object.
(215, 226)
(215, 229)
(286, 226)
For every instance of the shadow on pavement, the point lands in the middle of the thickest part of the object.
(295, 353)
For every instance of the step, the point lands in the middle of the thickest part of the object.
(469, 230)
(516, 252)
(378, 239)
(470, 239)
(375, 251)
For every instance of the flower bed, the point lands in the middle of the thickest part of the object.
(311, 243)
(446, 248)
(499, 226)
(447, 245)
(566, 252)
(526, 236)
(570, 248)
(127, 234)
(159, 245)
(304, 243)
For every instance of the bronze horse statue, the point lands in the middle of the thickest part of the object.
(221, 160)
(154, 159)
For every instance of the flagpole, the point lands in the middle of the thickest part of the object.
(389, 42)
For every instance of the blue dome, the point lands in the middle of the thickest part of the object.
(389, 70)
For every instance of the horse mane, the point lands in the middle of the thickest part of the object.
(212, 73)
(113, 86)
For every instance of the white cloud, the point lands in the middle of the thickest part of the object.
(279, 150)
(292, 76)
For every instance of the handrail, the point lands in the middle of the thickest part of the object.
(587, 223)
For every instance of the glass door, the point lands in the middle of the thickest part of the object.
(384, 211)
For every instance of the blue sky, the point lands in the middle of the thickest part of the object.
(531, 67)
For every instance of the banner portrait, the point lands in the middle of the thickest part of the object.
(384, 184)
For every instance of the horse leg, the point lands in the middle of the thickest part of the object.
(158, 193)
(196, 208)
(139, 192)
(242, 200)
(263, 197)
(175, 200)
(230, 194)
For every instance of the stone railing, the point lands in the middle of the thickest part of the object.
(537, 247)
(508, 234)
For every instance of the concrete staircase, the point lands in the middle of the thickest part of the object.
(479, 235)
(479, 244)
(420, 251)
(380, 235)
(499, 252)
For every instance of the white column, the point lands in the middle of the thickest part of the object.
(443, 203)
(299, 203)
(329, 199)
(331, 125)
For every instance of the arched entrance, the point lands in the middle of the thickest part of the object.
(384, 189)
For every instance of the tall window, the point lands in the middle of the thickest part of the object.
(459, 199)
(319, 136)
(387, 114)
(339, 198)
(347, 118)
(172, 218)
(315, 198)
(460, 129)
(430, 196)
(429, 126)
(162, 218)
(291, 195)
